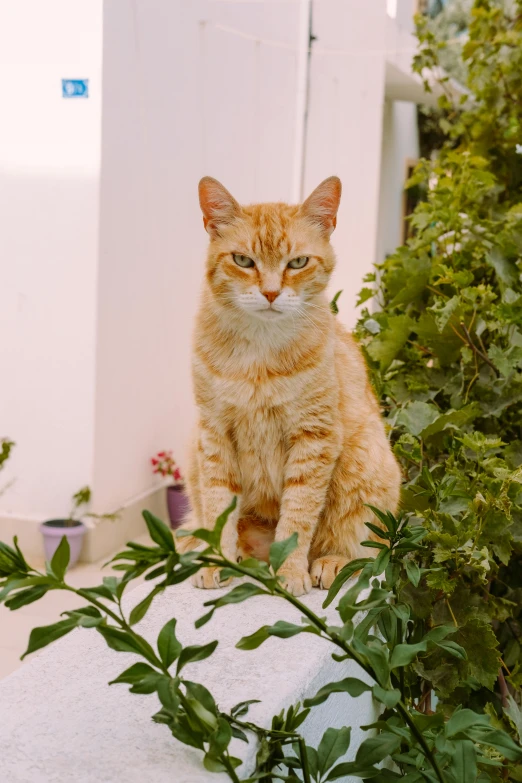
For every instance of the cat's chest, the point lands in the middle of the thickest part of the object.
(260, 387)
(261, 442)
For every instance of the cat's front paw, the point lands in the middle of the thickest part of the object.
(325, 569)
(209, 578)
(296, 579)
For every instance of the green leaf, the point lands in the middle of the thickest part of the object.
(344, 574)
(168, 694)
(60, 559)
(134, 673)
(497, 739)
(453, 649)
(452, 420)
(334, 744)
(141, 609)
(195, 653)
(413, 571)
(281, 550)
(242, 708)
(15, 583)
(404, 654)
(462, 720)
(351, 769)
(254, 640)
(199, 717)
(25, 597)
(481, 645)
(514, 713)
(375, 749)
(142, 677)
(281, 629)
(212, 764)
(416, 416)
(506, 270)
(41, 637)
(219, 740)
(238, 594)
(463, 762)
(213, 537)
(100, 591)
(365, 294)
(185, 733)
(381, 561)
(169, 647)
(387, 344)
(86, 617)
(377, 656)
(444, 311)
(350, 685)
(388, 697)
(439, 633)
(333, 304)
(125, 641)
(201, 694)
(159, 532)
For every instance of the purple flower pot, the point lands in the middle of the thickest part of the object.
(55, 529)
(178, 505)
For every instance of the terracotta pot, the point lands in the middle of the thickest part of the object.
(55, 529)
(178, 505)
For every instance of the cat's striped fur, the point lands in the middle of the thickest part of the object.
(288, 421)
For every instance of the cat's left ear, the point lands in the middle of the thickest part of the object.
(219, 207)
(322, 205)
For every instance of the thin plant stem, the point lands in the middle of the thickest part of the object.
(230, 769)
(304, 761)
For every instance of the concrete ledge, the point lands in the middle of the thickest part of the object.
(102, 538)
(61, 721)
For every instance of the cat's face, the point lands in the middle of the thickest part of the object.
(269, 260)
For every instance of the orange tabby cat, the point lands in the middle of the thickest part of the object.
(288, 421)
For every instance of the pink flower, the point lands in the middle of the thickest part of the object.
(165, 465)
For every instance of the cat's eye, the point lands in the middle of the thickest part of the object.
(243, 261)
(298, 263)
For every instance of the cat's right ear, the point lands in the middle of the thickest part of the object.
(219, 207)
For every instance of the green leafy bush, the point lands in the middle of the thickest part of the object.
(445, 350)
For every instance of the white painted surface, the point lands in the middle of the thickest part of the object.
(399, 144)
(345, 129)
(61, 722)
(49, 165)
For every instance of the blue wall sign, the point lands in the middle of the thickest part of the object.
(75, 88)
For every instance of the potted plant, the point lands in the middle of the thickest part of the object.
(55, 529)
(177, 500)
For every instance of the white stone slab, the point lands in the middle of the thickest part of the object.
(60, 722)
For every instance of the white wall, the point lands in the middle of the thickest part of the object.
(49, 162)
(399, 145)
(400, 137)
(345, 126)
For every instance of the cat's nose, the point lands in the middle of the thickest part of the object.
(271, 295)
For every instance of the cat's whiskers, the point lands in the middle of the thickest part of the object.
(301, 311)
(322, 308)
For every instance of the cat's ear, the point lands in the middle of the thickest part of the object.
(322, 205)
(219, 207)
